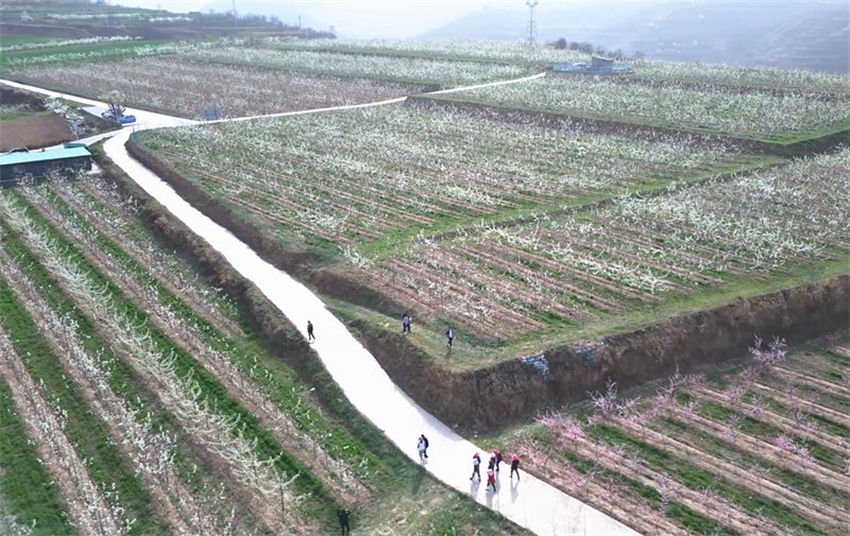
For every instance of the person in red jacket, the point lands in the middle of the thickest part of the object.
(491, 479)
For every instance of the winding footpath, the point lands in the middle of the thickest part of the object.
(531, 503)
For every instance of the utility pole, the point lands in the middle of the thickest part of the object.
(532, 25)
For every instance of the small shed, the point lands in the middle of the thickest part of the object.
(598, 65)
(37, 164)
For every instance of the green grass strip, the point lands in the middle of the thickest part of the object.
(27, 489)
(74, 54)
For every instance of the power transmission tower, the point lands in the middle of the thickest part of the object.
(532, 24)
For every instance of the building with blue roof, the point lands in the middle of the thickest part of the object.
(38, 164)
(603, 66)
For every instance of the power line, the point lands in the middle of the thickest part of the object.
(532, 25)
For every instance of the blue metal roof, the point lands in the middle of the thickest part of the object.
(42, 156)
(584, 68)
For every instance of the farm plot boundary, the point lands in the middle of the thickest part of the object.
(307, 264)
(455, 397)
(796, 148)
(493, 397)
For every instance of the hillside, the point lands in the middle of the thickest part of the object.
(85, 19)
(781, 34)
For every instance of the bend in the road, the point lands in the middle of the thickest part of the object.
(530, 502)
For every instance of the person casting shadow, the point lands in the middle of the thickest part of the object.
(342, 516)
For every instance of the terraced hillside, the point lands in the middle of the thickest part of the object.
(391, 172)
(515, 231)
(585, 221)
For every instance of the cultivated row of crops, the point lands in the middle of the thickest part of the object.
(710, 109)
(151, 410)
(776, 80)
(363, 174)
(517, 52)
(641, 249)
(430, 72)
(762, 452)
(84, 53)
(52, 43)
(186, 87)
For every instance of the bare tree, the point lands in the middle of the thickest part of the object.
(116, 101)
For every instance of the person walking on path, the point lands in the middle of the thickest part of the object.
(425, 440)
(310, 336)
(405, 322)
(492, 463)
(515, 466)
(498, 456)
(421, 448)
(450, 335)
(491, 479)
(476, 464)
(342, 515)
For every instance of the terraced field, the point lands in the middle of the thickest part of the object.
(761, 452)
(380, 173)
(431, 72)
(176, 85)
(760, 115)
(506, 52)
(135, 398)
(242, 80)
(781, 81)
(507, 228)
(145, 404)
(639, 251)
